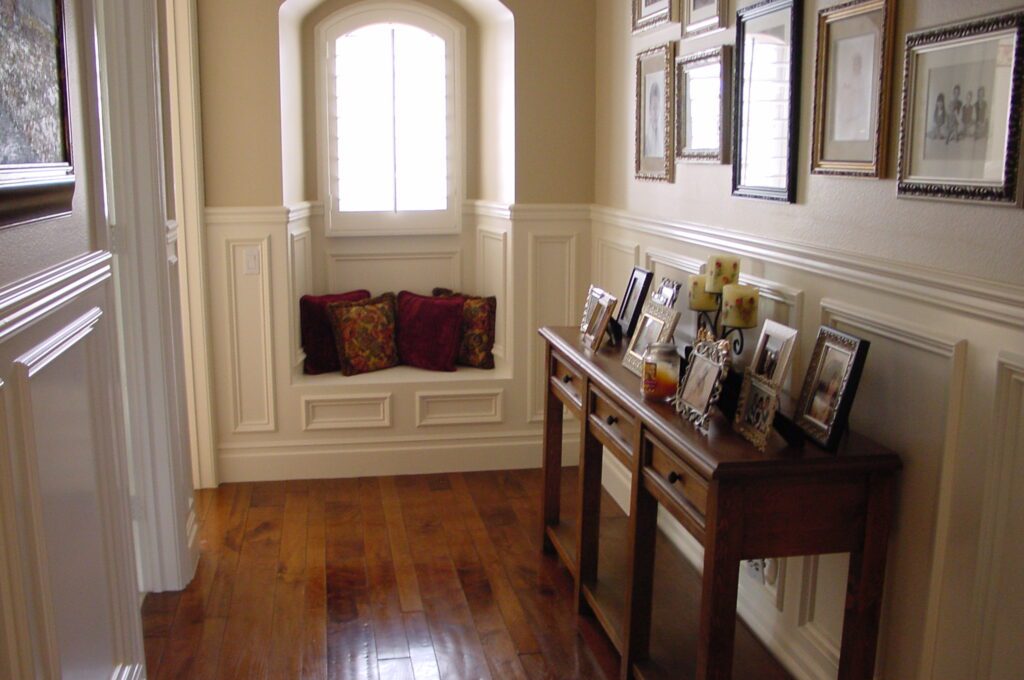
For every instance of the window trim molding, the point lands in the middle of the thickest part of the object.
(337, 223)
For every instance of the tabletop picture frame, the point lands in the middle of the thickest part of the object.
(655, 114)
(853, 76)
(703, 97)
(701, 385)
(765, 133)
(830, 385)
(37, 172)
(633, 300)
(773, 353)
(755, 413)
(703, 16)
(657, 324)
(666, 293)
(960, 124)
(597, 312)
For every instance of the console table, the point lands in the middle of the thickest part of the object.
(740, 503)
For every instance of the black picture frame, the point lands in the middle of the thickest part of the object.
(744, 17)
(830, 385)
(34, 187)
(633, 300)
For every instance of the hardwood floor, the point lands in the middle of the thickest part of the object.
(393, 578)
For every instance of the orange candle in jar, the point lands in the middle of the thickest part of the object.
(660, 372)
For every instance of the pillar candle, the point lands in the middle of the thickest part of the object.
(700, 299)
(739, 306)
(722, 270)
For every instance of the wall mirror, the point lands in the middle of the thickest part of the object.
(767, 96)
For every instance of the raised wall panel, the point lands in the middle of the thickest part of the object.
(912, 375)
(346, 412)
(300, 282)
(492, 277)
(458, 407)
(552, 267)
(250, 320)
(615, 260)
(394, 271)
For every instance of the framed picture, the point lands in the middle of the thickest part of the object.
(655, 96)
(37, 177)
(633, 299)
(756, 410)
(666, 292)
(851, 88)
(651, 13)
(599, 308)
(830, 385)
(773, 352)
(702, 16)
(767, 97)
(657, 323)
(702, 105)
(960, 130)
(702, 384)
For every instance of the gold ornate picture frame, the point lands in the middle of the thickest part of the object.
(759, 401)
(657, 324)
(703, 16)
(651, 13)
(655, 114)
(704, 94)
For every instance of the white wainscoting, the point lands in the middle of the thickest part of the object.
(300, 260)
(381, 271)
(459, 407)
(346, 412)
(492, 279)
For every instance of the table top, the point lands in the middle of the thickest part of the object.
(722, 452)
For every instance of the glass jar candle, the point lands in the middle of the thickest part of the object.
(661, 372)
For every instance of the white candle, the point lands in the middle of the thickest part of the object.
(700, 299)
(739, 306)
(722, 270)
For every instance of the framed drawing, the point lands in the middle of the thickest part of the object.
(851, 88)
(830, 385)
(702, 384)
(599, 308)
(657, 323)
(702, 105)
(654, 113)
(774, 349)
(703, 16)
(755, 413)
(37, 177)
(767, 97)
(633, 300)
(651, 13)
(960, 129)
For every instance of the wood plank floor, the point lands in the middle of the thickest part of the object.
(394, 578)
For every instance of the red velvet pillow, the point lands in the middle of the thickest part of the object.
(317, 336)
(478, 318)
(429, 331)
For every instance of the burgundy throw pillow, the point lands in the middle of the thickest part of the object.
(364, 333)
(317, 337)
(478, 319)
(429, 330)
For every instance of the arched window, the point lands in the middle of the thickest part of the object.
(391, 120)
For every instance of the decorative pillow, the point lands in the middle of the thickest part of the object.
(478, 318)
(429, 330)
(317, 337)
(364, 333)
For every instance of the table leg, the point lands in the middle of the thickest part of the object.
(588, 514)
(865, 584)
(643, 534)
(551, 461)
(717, 627)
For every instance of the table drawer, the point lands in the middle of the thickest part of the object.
(681, 481)
(610, 420)
(567, 381)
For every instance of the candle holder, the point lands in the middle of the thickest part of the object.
(708, 319)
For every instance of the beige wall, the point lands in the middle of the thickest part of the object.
(240, 66)
(855, 215)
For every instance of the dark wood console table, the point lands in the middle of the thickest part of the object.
(740, 504)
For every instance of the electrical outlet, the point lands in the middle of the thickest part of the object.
(251, 265)
(755, 570)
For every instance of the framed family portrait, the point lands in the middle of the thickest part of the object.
(597, 311)
(633, 300)
(701, 386)
(851, 88)
(755, 413)
(655, 97)
(767, 97)
(656, 324)
(830, 385)
(651, 13)
(702, 105)
(773, 353)
(960, 129)
(703, 16)
(37, 177)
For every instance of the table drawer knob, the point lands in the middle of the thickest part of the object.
(567, 378)
(673, 477)
(611, 420)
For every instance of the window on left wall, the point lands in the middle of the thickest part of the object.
(391, 120)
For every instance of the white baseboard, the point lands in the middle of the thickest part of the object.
(270, 462)
(791, 650)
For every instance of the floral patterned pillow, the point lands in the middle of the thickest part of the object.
(478, 318)
(364, 333)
